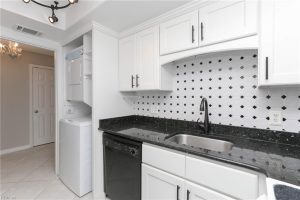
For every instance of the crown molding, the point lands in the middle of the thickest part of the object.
(88, 27)
(104, 29)
(77, 33)
(186, 8)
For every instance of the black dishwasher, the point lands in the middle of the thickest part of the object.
(122, 168)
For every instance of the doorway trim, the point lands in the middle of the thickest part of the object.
(59, 73)
(31, 66)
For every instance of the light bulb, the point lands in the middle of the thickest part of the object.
(26, 1)
(73, 1)
(51, 20)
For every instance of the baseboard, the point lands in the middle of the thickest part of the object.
(15, 149)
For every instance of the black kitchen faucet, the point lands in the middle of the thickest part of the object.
(204, 107)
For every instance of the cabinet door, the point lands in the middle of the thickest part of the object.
(179, 34)
(197, 192)
(87, 90)
(147, 72)
(221, 20)
(74, 92)
(74, 71)
(127, 63)
(158, 185)
(279, 60)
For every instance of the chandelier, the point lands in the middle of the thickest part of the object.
(53, 18)
(11, 49)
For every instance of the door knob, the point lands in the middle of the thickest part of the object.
(36, 111)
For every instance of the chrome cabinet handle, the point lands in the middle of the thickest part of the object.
(201, 26)
(193, 32)
(137, 80)
(177, 195)
(132, 78)
(267, 68)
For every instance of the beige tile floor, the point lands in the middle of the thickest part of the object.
(29, 174)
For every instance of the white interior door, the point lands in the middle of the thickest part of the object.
(43, 105)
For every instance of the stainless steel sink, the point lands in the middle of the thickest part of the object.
(201, 142)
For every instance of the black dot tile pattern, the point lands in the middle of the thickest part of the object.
(229, 81)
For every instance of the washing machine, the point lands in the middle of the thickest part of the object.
(75, 154)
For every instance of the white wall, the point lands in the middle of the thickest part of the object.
(107, 100)
(15, 97)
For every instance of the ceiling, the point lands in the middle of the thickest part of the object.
(117, 15)
(31, 49)
(124, 14)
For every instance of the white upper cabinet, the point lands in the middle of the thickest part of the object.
(147, 75)
(220, 21)
(179, 34)
(139, 67)
(127, 63)
(279, 52)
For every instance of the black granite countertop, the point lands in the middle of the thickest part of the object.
(277, 154)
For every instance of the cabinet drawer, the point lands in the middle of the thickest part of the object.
(164, 159)
(234, 181)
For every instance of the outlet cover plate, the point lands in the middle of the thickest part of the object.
(275, 118)
(154, 109)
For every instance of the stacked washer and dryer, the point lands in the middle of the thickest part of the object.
(75, 133)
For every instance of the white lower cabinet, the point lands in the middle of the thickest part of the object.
(159, 185)
(197, 178)
(198, 192)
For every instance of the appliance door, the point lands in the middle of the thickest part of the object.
(122, 168)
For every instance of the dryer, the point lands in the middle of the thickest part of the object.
(75, 154)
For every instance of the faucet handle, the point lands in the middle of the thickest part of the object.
(200, 124)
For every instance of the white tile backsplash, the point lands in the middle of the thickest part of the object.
(229, 82)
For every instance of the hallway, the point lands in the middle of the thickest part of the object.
(30, 174)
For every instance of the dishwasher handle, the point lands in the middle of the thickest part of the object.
(124, 146)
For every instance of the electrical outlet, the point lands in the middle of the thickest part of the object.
(70, 111)
(154, 109)
(275, 118)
